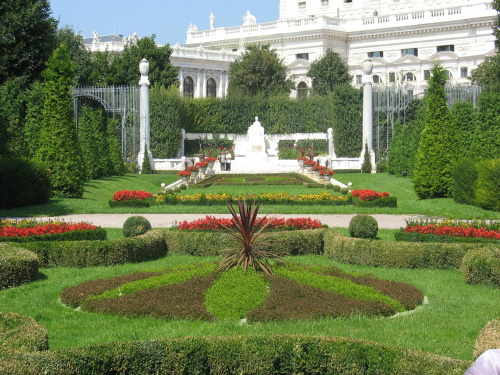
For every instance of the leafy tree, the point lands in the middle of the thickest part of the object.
(101, 70)
(59, 147)
(259, 71)
(12, 111)
(464, 117)
(124, 69)
(327, 72)
(437, 151)
(27, 38)
(81, 57)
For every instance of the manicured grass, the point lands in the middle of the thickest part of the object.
(98, 192)
(447, 325)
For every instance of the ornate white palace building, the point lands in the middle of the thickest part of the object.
(403, 38)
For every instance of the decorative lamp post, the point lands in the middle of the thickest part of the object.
(144, 113)
(368, 111)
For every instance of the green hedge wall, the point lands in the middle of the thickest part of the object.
(394, 254)
(209, 243)
(240, 355)
(80, 254)
(17, 266)
(482, 266)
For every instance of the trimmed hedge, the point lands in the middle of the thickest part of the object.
(394, 254)
(481, 266)
(488, 338)
(431, 237)
(98, 234)
(379, 202)
(202, 243)
(22, 334)
(17, 266)
(239, 355)
(80, 254)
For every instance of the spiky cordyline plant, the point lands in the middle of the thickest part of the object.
(247, 230)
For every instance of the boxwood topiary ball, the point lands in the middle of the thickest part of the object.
(363, 226)
(135, 226)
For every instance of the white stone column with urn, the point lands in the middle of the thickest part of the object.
(144, 114)
(368, 112)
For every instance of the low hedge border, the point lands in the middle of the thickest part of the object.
(130, 203)
(21, 334)
(379, 202)
(17, 266)
(98, 234)
(79, 254)
(238, 355)
(488, 338)
(431, 237)
(213, 243)
(482, 266)
(394, 254)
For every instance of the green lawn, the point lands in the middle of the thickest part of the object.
(98, 192)
(448, 325)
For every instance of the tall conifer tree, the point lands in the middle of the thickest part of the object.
(59, 147)
(437, 150)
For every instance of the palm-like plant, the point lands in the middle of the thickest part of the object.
(253, 251)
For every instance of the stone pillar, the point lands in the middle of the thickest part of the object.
(183, 139)
(203, 83)
(144, 114)
(198, 93)
(331, 150)
(368, 112)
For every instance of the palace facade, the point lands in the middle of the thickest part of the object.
(403, 38)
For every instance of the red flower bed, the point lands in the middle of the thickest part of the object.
(211, 223)
(456, 231)
(368, 195)
(45, 229)
(126, 195)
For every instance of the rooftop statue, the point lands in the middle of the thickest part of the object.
(212, 21)
(249, 19)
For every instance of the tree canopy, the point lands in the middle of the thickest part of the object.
(327, 72)
(27, 38)
(259, 71)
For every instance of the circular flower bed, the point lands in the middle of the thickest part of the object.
(201, 291)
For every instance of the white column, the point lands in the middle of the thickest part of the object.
(181, 81)
(331, 150)
(203, 83)
(198, 93)
(220, 93)
(144, 113)
(368, 111)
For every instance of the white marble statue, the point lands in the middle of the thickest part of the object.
(212, 21)
(95, 37)
(249, 19)
(255, 135)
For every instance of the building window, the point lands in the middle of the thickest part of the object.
(302, 5)
(211, 88)
(409, 51)
(409, 93)
(324, 3)
(302, 90)
(410, 77)
(359, 79)
(188, 87)
(450, 48)
(427, 75)
(448, 74)
(302, 56)
(464, 72)
(392, 77)
(377, 79)
(376, 54)
(347, 1)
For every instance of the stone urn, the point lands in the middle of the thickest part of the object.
(327, 178)
(185, 179)
(203, 170)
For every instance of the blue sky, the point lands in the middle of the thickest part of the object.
(168, 19)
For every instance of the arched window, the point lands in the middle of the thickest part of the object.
(377, 79)
(188, 90)
(448, 74)
(410, 77)
(211, 88)
(302, 90)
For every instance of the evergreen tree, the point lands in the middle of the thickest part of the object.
(59, 147)
(327, 72)
(486, 142)
(81, 57)
(366, 167)
(34, 118)
(115, 149)
(12, 110)
(146, 164)
(437, 151)
(464, 117)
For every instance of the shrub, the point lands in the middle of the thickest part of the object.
(366, 167)
(79, 254)
(336, 188)
(135, 226)
(488, 185)
(394, 254)
(344, 191)
(481, 266)
(17, 266)
(363, 226)
(23, 183)
(277, 355)
(382, 167)
(464, 181)
(488, 338)
(146, 163)
(21, 334)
